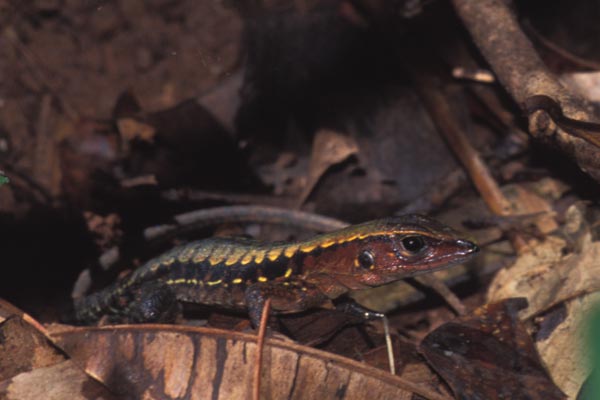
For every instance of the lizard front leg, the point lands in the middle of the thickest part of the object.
(351, 307)
(286, 297)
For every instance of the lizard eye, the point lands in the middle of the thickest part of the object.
(365, 259)
(413, 244)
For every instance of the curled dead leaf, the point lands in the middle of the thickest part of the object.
(57, 382)
(489, 355)
(24, 348)
(556, 273)
(329, 148)
(159, 361)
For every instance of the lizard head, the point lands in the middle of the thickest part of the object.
(395, 248)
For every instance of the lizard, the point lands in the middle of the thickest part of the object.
(240, 274)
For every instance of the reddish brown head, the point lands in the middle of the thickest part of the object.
(391, 249)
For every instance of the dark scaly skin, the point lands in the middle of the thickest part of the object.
(242, 274)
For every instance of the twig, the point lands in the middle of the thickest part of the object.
(499, 115)
(521, 71)
(556, 49)
(142, 180)
(260, 342)
(438, 106)
(19, 178)
(440, 287)
(476, 75)
(194, 220)
(244, 214)
(45, 155)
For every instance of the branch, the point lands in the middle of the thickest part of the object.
(555, 114)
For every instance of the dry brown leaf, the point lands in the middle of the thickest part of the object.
(489, 354)
(84, 154)
(525, 201)
(409, 364)
(160, 361)
(130, 129)
(106, 229)
(565, 351)
(547, 277)
(223, 100)
(329, 148)
(8, 310)
(24, 348)
(57, 382)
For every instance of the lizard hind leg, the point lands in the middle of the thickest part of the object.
(152, 302)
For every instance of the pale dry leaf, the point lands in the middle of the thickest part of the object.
(564, 351)
(524, 201)
(57, 382)
(329, 148)
(547, 277)
(287, 174)
(586, 83)
(8, 310)
(223, 100)
(130, 129)
(23, 348)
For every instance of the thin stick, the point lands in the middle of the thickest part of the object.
(440, 287)
(245, 214)
(437, 105)
(439, 110)
(260, 341)
(26, 183)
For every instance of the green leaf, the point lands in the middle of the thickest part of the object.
(591, 388)
(3, 179)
